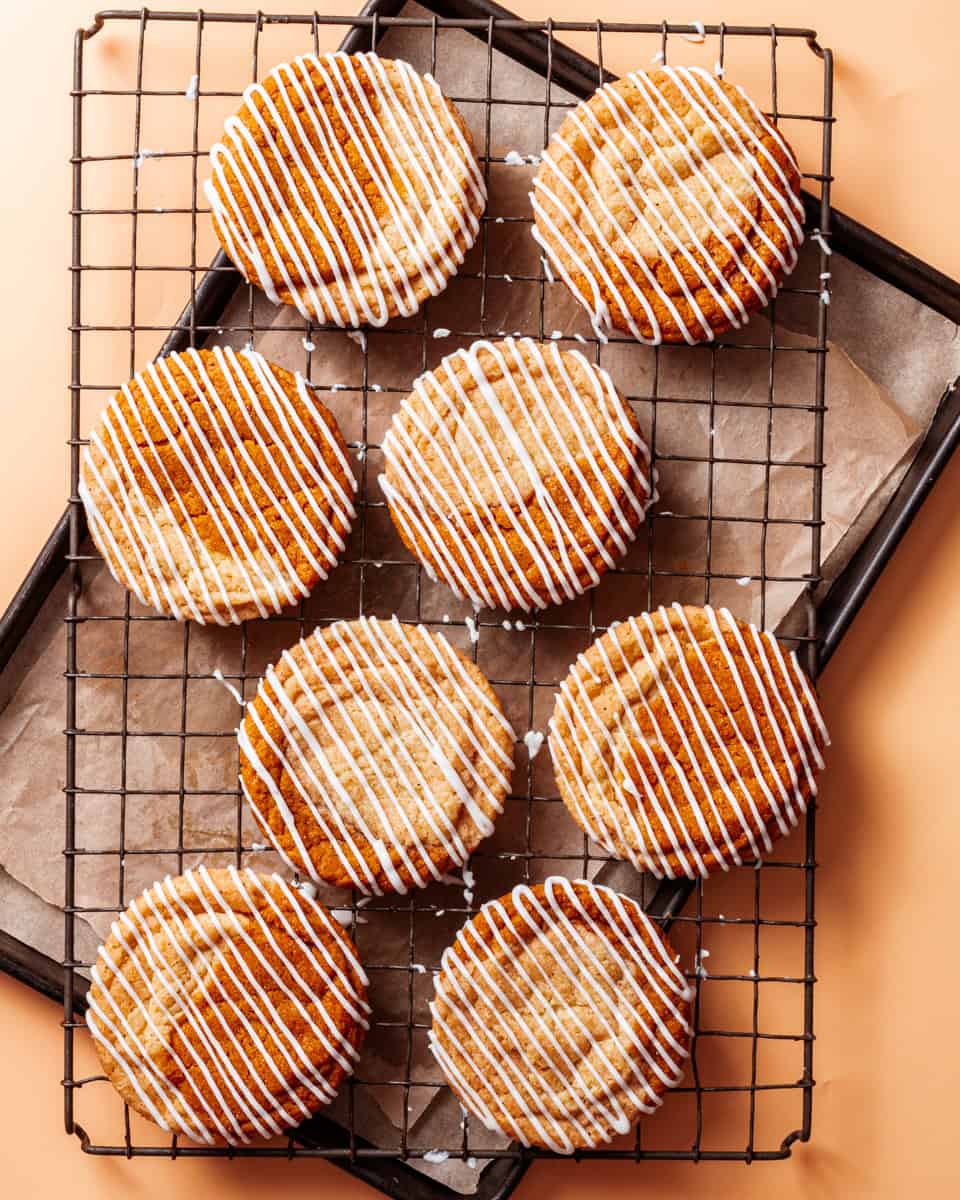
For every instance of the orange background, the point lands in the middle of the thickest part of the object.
(886, 1061)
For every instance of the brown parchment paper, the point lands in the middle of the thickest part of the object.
(889, 362)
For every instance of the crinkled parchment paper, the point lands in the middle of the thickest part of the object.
(889, 362)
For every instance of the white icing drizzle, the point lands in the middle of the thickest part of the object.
(641, 166)
(399, 687)
(610, 770)
(266, 187)
(195, 997)
(274, 456)
(548, 414)
(567, 1096)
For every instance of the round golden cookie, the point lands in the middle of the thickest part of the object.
(346, 185)
(516, 473)
(684, 740)
(559, 1015)
(375, 756)
(669, 205)
(217, 487)
(227, 1005)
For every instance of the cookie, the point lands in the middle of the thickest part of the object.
(217, 487)
(516, 473)
(685, 740)
(375, 756)
(559, 1015)
(669, 205)
(227, 1005)
(346, 185)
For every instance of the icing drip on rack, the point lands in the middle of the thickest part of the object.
(623, 780)
(350, 187)
(664, 184)
(529, 1020)
(561, 443)
(374, 718)
(235, 472)
(212, 997)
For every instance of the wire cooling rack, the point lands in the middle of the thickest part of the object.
(748, 1093)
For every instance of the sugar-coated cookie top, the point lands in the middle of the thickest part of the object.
(669, 205)
(346, 185)
(685, 740)
(559, 1015)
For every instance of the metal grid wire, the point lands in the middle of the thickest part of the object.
(210, 287)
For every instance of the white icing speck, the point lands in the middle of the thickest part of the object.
(308, 345)
(436, 1156)
(698, 37)
(441, 333)
(508, 278)
(358, 336)
(513, 159)
(556, 335)
(472, 629)
(192, 86)
(821, 241)
(144, 155)
(306, 887)
(657, 58)
(745, 580)
(533, 740)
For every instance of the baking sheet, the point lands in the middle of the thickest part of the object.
(889, 361)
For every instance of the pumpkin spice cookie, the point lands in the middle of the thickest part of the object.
(375, 756)
(217, 487)
(346, 185)
(685, 740)
(227, 1005)
(669, 205)
(516, 473)
(559, 1015)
